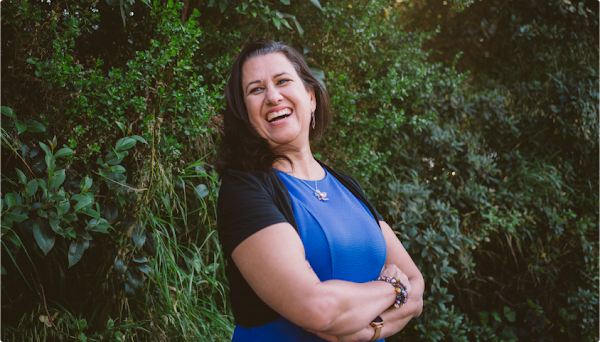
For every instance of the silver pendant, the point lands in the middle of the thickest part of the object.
(322, 196)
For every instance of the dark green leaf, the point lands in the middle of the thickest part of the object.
(75, 251)
(21, 127)
(22, 177)
(285, 2)
(64, 152)
(15, 217)
(98, 225)
(82, 201)
(145, 268)
(44, 236)
(35, 126)
(54, 224)
(10, 200)
(124, 144)
(509, 314)
(8, 112)
(120, 266)
(138, 236)
(135, 279)
(57, 180)
(31, 187)
(140, 260)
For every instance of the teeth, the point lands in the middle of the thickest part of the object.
(274, 115)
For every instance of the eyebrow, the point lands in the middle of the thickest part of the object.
(258, 81)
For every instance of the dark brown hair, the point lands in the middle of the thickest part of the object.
(242, 148)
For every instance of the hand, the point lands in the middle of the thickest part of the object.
(363, 335)
(391, 270)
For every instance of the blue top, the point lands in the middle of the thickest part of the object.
(341, 238)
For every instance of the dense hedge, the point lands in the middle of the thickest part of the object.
(473, 126)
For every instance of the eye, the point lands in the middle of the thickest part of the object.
(282, 81)
(253, 90)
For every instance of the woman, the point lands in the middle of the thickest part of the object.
(303, 244)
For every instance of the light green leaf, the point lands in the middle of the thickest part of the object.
(31, 187)
(35, 126)
(9, 112)
(22, 177)
(64, 152)
(201, 191)
(124, 144)
(285, 2)
(75, 251)
(44, 236)
(277, 22)
(21, 127)
(145, 268)
(316, 3)
(57, 180)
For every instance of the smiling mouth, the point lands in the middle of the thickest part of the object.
(279, 115)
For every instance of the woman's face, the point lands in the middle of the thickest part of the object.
(279, 106)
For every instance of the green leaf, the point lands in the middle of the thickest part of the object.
(285, 2)
(57, 180)
(22, 177)
(496, 317)
(122, 127)
(509, 314)
(8, 112)
(120, 266)
(54, 224)
(222, 5)
(44, 236)
(125, 144)
(31, 187)
(76, 250)
(82, 324)
(46, 148)
(10, 200)
(201, 191)
(21, 127)
(63, 208)
(145, 268)
(117, 169)
(140, 139)
(2, 270)
(98, 225)
(35, 126)
(64, 152)
(138, 236)
(42, 184)
(135, 279)
(316, 3)
(83, 201)
(277, 22)
(16, 217)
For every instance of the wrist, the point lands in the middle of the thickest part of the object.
(377, 325)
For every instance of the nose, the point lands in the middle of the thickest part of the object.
(273, 96)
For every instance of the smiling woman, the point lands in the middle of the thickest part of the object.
(302, 241)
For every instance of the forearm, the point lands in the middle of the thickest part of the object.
(349, 307)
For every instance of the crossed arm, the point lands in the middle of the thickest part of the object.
(274, 264)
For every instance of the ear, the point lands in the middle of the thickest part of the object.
(313, 100)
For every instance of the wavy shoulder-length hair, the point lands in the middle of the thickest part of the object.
(242, 148)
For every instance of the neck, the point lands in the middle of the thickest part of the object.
(304, 165)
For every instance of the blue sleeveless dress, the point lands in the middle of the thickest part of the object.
(342, 241)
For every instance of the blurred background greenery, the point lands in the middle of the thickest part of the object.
(472, 125)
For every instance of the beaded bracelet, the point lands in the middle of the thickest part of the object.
(401, 294)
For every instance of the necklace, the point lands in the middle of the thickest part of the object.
(321, 196)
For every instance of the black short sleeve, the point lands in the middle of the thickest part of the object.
(245, 206)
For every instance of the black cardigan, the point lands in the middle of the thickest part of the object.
(248, 203)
